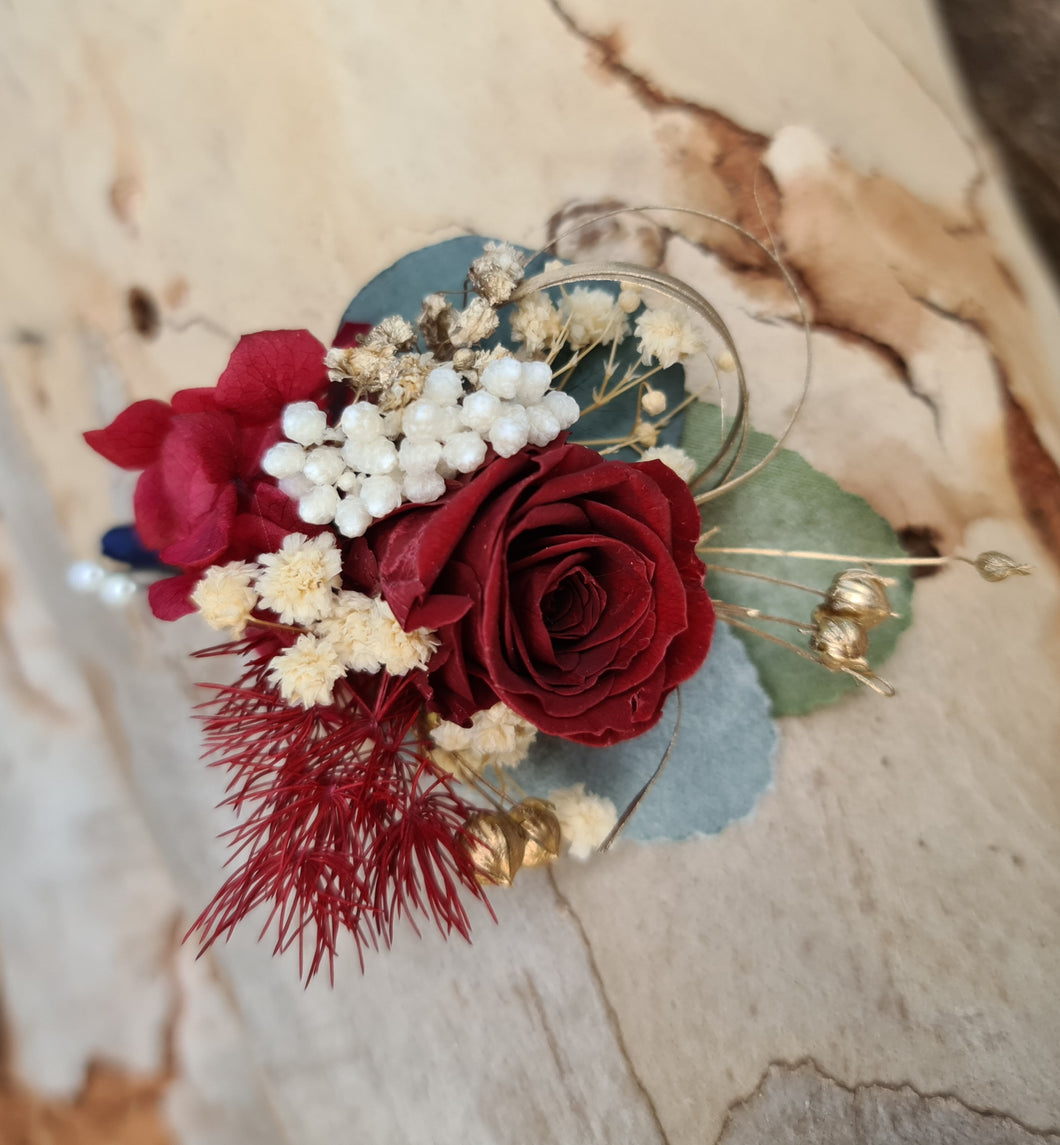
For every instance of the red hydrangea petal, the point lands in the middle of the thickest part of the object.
(348, 334)
(202, 399)
(270, 369)
(155, 521)
(169, 598)
(133, 439)
(207, 540)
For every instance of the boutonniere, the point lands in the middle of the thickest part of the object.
(500, 580)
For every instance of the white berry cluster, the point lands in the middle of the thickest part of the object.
(374, 461)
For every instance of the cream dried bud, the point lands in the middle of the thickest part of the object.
(585, 819)
(995, 566)
(675, 458)
(536, 323)
(393, 331)
(436, 317)
(406, 381)
(667, 336)
(474, 324)
(630, 297)
(726, 362)
(362, 366)
(653, 402)
(306, 672)
(496, 273)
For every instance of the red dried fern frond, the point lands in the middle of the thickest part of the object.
(346, 823)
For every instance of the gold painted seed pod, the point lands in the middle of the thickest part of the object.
(995, 566)
(495, 846)
(541, 826)
(860, 595)
(839, 641)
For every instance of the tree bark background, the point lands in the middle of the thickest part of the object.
(872, 950)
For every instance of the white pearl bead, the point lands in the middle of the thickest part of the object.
(117, 589)
(419, 456)
(296, 487)
(377, 457)
(423, 418)
(85, 576)
(509, 434)
(543, 425)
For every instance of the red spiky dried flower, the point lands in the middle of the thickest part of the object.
(346, 822)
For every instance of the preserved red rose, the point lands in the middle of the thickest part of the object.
(561, 583)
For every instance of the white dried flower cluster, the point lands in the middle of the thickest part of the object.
(359, 634)
(537, 324)
(376, 367)
(584, 317)
(498, 737)
(666, 336)
(346, 631)
(473, 324)
(297, 582)
(306, 672)
(585, 820)
(497, 272)
(684, 466)
(592, 316)
(375, 461)
(367, 637)
(226, 597)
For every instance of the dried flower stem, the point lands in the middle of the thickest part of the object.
(840, 557)
(725, 609)
(762, 576)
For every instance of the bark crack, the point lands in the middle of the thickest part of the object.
(612, 1015)
(808, 1061)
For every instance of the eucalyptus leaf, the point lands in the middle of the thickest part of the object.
(790, 506)
(720, 765)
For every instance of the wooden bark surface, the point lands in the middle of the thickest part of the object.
(873, 950)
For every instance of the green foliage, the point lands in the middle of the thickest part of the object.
(789, 505)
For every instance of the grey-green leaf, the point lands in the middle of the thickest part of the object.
(790, 506)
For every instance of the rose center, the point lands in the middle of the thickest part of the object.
(572, 607)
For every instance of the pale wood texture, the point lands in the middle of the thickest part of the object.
(889, 911)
